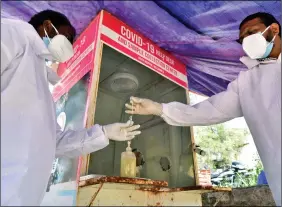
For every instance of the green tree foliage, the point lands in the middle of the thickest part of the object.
(221, 144)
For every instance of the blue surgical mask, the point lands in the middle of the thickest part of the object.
(46, 41)
(268, 49)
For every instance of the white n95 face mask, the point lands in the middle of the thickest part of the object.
(256, 46)
(59, 46)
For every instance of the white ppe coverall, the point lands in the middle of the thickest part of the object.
(30, 135)
(256, 95)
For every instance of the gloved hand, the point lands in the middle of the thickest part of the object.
(143, 107)
(121, 131)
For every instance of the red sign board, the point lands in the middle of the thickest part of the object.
(80, 64)
(126, 40)
(82, 61)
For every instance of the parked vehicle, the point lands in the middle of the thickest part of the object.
(233, 176)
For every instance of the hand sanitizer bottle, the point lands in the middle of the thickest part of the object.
(128, 163)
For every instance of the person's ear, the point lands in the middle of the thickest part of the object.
(47, 25)
(274, 28)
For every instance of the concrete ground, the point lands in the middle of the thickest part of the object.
(251, 196)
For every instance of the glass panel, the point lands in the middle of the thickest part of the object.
(164, 152)
(73, 104)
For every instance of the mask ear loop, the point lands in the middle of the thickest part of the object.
(55, 28)
(49, 38)
(272, 38)
(265, 30)
(46, 35)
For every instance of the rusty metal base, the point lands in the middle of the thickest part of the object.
(118, 191)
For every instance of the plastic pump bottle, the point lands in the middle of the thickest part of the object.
(128, 163)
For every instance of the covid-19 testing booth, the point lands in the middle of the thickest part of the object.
(111, 63)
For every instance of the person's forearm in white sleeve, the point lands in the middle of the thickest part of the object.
(217, 109)
(76, 143)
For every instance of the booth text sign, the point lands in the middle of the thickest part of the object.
(129, 42)
(82, 61)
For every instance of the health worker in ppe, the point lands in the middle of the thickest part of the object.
(30, 135)
(255, 94)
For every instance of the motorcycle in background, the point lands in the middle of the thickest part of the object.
(236, 175)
